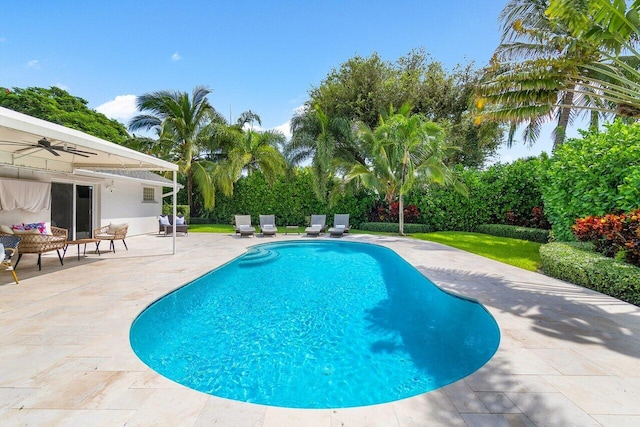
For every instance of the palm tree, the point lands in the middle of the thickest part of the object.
(531, 79)
(410, 150)
(613, 28)
(184, 126)
(254, 151)
(326, 141)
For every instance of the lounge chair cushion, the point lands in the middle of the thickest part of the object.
(245, 227)
(340, 226)
(316, 225)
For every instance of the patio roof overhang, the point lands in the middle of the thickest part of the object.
(20, 129)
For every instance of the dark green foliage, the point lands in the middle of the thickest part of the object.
(362, 88)
(444, 210)
(497, 195)
(392, 227)
(291, 199)
(578, 263)
(594, 175)
(513, 191)
(515, 232)
(181, 210)
(58, 106)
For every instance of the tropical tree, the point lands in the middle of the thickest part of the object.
(532, 77)
(363, 88)
(410, 151)
(612, 26)
(185, 126)
(59, 106)
(253, 151)
(326, 141)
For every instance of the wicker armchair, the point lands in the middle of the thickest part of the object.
(10, 244)
(41, 243)
(111, 232)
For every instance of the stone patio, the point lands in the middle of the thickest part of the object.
(568, 356)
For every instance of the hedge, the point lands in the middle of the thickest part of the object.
(577, 263)
(180, 210)
(523, 233)
(391, 227)
(291, 199)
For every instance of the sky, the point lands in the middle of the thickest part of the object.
(262, 56)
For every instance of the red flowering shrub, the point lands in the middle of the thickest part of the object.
(537, 219)
(612, 234)
(390, 214)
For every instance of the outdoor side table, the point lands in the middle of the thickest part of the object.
(292, 228)
(81, 242)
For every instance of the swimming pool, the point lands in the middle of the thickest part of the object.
(322, 324)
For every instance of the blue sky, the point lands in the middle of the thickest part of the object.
(262, 56)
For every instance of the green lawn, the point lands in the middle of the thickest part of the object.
(519, 253)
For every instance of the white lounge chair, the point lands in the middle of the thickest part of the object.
(268, 225)
(243, 225)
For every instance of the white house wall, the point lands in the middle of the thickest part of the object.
(124, 205)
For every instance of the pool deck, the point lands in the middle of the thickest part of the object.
(567, 357)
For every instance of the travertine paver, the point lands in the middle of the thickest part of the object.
(567, 356)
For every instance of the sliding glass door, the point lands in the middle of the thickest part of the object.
(72, 208)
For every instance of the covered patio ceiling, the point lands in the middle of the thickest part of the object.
(19, 147)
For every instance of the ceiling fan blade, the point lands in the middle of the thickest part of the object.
(76, 151)
(52, 151)
(30, 147)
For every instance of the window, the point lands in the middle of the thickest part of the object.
(148, 194)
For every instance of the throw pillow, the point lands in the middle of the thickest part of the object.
(40, 226)
(17, 227)
(179, 220)
(6, 229)
(164, 220)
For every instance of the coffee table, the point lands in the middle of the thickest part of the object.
(81, 242)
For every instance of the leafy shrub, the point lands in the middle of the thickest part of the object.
(513, 192)
(594, 175)
(523, 233)
(390, 227)
(612, 235)
(381, 213)
(291, 199)
(577, 263)
(180, 210)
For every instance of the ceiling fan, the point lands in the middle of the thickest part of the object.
(45, 144)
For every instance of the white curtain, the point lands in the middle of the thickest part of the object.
(30, 196)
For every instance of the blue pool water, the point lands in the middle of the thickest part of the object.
(320, 324)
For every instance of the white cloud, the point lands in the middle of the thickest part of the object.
(285, 128)
(62, 86)
(121, 108)
(34, 63)
(176, 57)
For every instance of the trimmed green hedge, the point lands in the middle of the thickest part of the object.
(523, 233)
(577, 263)
(393, 227)
(180, 209)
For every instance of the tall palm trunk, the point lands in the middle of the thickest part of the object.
(563, 119)
(190, 192)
